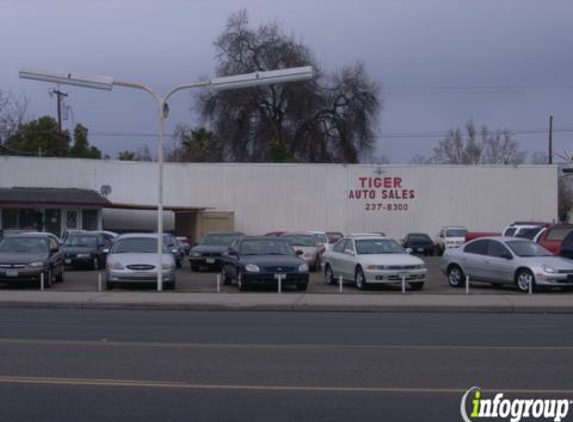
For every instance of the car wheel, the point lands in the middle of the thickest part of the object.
(328, 275)
(178, 263)
(417, 286)
(302, 287)
(109, 285)
(47, 279)
(170, 285)
(227, 279)
(359, 279)
(241, 284)
(455, 276)
(523, 279)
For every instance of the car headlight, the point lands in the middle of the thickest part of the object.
(115, 266)
(167, 266)
(36, 264)
(303, 268)
(252, 268)
(548, 269)
(83, 255)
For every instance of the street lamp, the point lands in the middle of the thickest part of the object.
(226, 82)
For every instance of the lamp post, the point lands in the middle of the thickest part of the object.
(227, 82)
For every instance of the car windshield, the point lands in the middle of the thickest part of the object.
(419, 237)
(23, 245)
(526, 249)
(300, 239)
(136, 245)
(320, 237)
(219, 239)
(378, 246)
(81, 241)
(266, 247)
(456, 232)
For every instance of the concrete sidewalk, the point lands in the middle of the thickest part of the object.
(537, 303)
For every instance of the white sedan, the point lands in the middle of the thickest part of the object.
(373, 260)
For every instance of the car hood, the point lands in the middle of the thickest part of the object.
(22, 258)
(210, 248)
(139, 258)
(390, 259)
(556, 262)
(78, 249)
(306, 249)
(271, 260)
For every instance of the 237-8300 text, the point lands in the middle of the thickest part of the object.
(385, 207)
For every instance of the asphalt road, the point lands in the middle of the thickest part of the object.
(82, 365)
(204, 281)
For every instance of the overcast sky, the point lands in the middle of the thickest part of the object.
(507, 64)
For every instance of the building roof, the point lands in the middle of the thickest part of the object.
(52, 196)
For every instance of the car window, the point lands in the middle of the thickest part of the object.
(529, 233)
(559, 233)
(219, 239)
(349, 245)
(528, 249)
(456, 232)
(137, 245)
(300, 239)
(23, 245)
(81, 241)
(496, 249)
(378, 246)
(266, 247)
(339, 247)
(510, 232)
(478, 247)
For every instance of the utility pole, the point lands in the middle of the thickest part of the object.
(59, 96)
(551, 139)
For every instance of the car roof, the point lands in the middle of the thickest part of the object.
(297, 233)
(266, 238)
(138, 236)
(367, 237)
(224, 233)
(503, 238)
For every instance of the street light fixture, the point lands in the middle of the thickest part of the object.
(295, 74)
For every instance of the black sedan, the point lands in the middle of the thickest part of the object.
(261, 261)
(27, 257)
(419, 243)
(86, 249)
(207, 254)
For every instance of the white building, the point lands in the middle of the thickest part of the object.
(256, 198)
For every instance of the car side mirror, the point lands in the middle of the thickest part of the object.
(506, 256)
(299, 252)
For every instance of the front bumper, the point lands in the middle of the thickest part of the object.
(129, 276)
(77, 261)
(553, 279)
(395, 276)
(269, 279)
(22, 274)
(205, 261)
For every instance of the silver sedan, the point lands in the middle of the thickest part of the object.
(506, 260)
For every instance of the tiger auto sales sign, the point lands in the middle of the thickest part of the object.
(382, 194)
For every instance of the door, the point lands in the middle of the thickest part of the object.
(474, 259)
(348, 260)
(499, 267)
(336, 257)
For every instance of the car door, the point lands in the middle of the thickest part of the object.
(230, 260)
(473, 259)
(348, 260)
(336, 257)
(499, 263)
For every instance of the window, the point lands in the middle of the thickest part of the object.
(497, 249)
(89, 220)
(559, 233)
(478, 247)
(509, 232)
(71, 219)
(339, 247)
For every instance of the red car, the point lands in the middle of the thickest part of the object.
(552, 236)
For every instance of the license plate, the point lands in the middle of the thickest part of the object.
(11, 273)
(210, 260)
(280, 275)
(420, 250)
(68, 261)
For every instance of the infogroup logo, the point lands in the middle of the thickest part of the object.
(513, 410)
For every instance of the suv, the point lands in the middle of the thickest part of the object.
(450, 237)
(519, 227)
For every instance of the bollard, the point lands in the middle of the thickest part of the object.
(403, 283)
(42, 281)
(467, 284)
(279, 278)
(99, 282)
(218, 283)
(340, 284)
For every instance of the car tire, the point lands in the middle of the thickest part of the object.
(417, 286)
(60, 277)
(170, 285)
(227, 279)
(301, 287)
(359, 279)
(522, 280)
(177, 263)
(329, 275)
(47, 279)
(456, 276)
(109, 285)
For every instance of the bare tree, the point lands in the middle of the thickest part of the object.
(468, 146)
(12, 114)
(329, 119)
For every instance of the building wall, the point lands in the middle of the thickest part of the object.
(267, 197)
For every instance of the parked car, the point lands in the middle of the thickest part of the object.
(175, 248)
(334, 237)
(275, 233)
(322, 238)
(25, 257)
(86, 249)
(566, 248)
(515, 229)
(133, 259)
(506, 260)
(185, 242)
(474, 235)
(551, 237)
(257, 260)
(207, 254)
(450, 237)
(311, 249)
(373, 260)
(419, 243)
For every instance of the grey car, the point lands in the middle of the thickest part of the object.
(26, 257)
(506, 260)
(133, 259)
